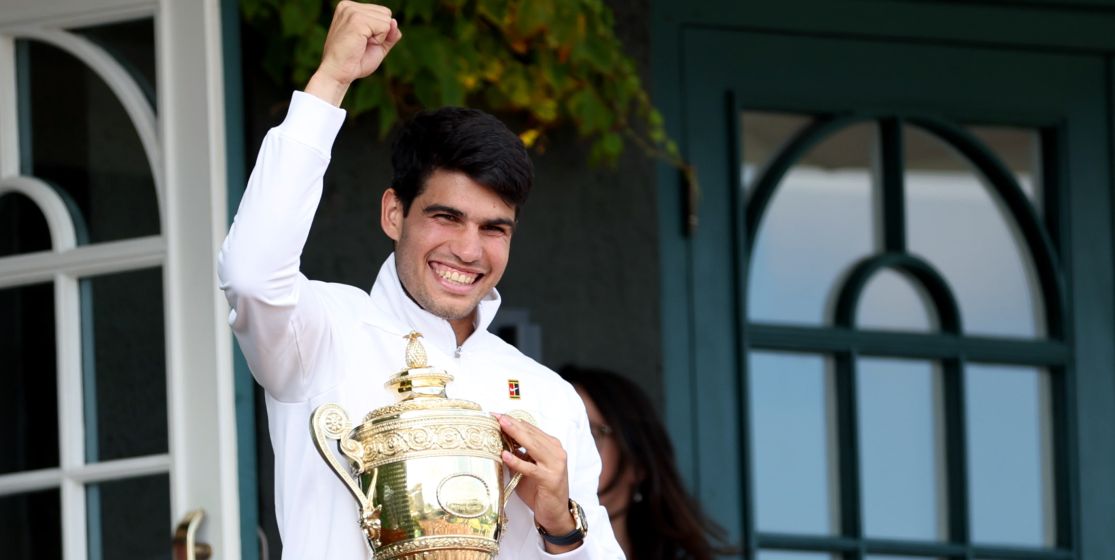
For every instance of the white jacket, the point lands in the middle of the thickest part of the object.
(309, 343)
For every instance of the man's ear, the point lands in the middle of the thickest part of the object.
(391, 214)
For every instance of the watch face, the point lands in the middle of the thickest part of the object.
(582, 522)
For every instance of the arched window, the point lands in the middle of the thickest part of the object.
(905, 318)
(84, 399)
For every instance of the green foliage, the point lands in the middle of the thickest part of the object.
(548, 61)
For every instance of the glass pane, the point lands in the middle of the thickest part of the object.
(23, 228)
(124, 365)
(81, 140)
(819, 223)
(793, 436)
(1010, 465)
(130, 518)
(901, 449)
(1020, 150)
(132, 44)
(893, 557)
(28, 379)
(959, 225)
(789, 555)
(892, 301)
(31, 525)
(763, 137)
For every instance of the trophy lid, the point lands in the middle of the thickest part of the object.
(419, 386)
(418, 380)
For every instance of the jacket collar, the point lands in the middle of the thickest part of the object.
(396, 311)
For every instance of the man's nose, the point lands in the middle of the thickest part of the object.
(468, 246)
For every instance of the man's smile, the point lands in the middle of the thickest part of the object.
(454, 277)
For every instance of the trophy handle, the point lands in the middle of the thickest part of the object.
(330, 422)
(510, 489)
(513, 446)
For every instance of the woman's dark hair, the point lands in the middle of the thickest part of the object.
(466, 140)
(667, 524)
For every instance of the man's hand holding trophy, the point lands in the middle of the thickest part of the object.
(426, 471)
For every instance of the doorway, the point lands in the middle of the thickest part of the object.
(903, 272)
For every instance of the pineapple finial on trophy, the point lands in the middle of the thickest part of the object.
(416, 353)
(418, 379)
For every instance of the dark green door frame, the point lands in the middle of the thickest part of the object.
(702, 300)
(236, 174)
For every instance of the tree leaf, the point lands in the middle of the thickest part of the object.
(419, 10)
(591, 114)
(297, 17)
(533, 16)
(426, 89)
(494, 10)
(363, 96)
(552, 62)
(307, 56)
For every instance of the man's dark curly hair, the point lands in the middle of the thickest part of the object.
(465, 140)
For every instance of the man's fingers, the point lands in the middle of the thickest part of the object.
(385, 37)
(376, 27)
(372, 21)
(393, 35)
(349, 8)
(518, 465)
(522, 432)
(539, 445)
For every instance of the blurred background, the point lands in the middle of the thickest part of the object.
(858, 252)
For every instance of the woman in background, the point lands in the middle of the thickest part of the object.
(652, 515)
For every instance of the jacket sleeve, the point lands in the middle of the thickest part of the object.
(584, 476)
(278, 315)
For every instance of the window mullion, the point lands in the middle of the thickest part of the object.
(956, 454)
(1065, 498)
(851, 506)
(892, 198)
(70, 414)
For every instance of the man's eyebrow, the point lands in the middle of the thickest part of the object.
(500, 222)
(443, 209)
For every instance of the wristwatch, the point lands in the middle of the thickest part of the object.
(578, 533)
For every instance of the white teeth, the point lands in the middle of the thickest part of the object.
(457, 277)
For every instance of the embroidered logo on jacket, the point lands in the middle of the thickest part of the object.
(513, 389)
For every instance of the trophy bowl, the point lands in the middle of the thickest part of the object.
(425, 471)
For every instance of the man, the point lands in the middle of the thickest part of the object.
(460, 178)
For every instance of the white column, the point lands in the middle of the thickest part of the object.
(9, 110)
(200, 374)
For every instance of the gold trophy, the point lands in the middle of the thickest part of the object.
(426, 470)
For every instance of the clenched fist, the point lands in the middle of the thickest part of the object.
(359, 38)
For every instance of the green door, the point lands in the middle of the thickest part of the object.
(898, 300)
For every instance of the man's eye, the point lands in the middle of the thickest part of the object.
(495, 230)
(445, 217)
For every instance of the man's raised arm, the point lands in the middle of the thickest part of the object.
(359, 38)
(275, 314)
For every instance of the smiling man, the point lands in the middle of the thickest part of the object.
(460, 177)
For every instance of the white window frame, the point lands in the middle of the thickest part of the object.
(185, 145)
